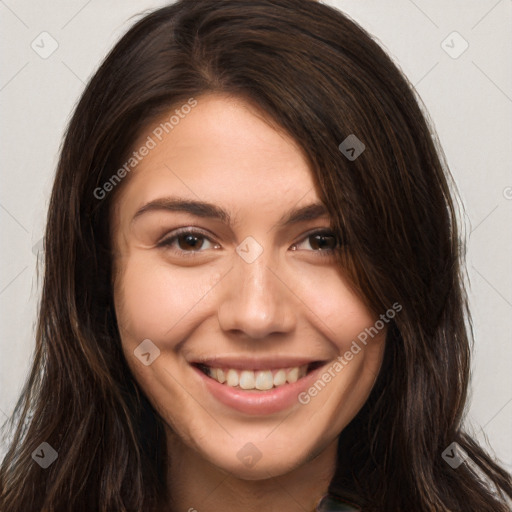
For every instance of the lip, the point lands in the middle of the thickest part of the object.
(258, 402)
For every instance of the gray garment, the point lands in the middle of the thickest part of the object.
(331, 504)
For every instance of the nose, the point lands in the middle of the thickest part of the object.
(257, 300)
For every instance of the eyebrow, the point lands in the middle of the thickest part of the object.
(208, 210)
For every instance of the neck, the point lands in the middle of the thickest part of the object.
(196, 485)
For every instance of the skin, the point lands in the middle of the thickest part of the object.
(291, 300)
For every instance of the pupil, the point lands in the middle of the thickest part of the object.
(191, 241)
(323, 242)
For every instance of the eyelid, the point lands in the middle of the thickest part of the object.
(186, 230)
(326, 231)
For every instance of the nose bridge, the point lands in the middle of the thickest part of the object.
(255, 300)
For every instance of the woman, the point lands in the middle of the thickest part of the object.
(252, 296)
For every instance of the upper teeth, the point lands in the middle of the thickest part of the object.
(259, 379)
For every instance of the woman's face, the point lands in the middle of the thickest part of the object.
(225, 283)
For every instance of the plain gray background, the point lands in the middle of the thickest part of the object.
(468, 96)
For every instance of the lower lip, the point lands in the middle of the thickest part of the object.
(259, 402)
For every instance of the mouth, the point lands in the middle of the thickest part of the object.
(257, 387)
(258, 379)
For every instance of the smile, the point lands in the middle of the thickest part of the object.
(259, 390)
(258, 379)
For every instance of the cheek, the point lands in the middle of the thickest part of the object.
(333, 307)
(155, 301)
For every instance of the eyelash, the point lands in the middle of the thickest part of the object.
(167, 242)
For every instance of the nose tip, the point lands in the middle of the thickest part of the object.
(256, 301)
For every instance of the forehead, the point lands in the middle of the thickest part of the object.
(223, 150)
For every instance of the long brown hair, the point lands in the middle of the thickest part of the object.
(320, 77)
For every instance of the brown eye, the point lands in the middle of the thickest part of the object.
(188, 242)
(322, 242)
